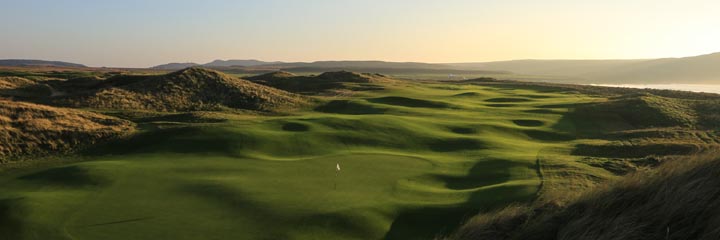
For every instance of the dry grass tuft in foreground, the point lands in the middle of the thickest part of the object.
(678, 200)
(28, 129)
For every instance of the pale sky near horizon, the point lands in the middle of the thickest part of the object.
(143, 33)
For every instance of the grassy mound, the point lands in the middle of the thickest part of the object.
(349, 107)
(528, 122)
(507, 100)
(185, 90)
(679, 200)
(29, 129)
(468, 94)
(645, 111)
(272, 76)
(323, 82)
(22, 87)
(409, 102)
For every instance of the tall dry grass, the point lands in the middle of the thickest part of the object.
(28, 129)
(678, 200)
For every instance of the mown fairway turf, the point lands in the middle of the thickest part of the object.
(416, 160)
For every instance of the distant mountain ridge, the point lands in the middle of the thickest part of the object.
(32, 62)
(317, 64)
(244, 63)
(702, 69)
(175, 66)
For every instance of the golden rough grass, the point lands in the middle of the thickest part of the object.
(32, 129)
(191, 89)
(678, 200)
(14, 82)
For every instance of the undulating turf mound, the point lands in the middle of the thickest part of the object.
(21, 87)
(349, 107)
(528, 122)
(679, 200)
(272, 76)
(468, 94)
(409, 102)
(345, 76)
(31, 129)
(323, 82)
(507, 100)
(645, 111)
(184, 90)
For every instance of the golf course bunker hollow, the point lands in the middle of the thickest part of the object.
(409, 102)
(456, 144)
(528, 122)
(507, 100)
(295, 127)
(468, 94)
(463, 130)
(349, 107)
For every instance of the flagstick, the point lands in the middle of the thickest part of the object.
(337, 173)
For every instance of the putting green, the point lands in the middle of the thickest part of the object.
(416, 160)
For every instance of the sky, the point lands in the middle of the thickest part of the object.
(143, 33)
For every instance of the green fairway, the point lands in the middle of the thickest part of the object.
(416, 160)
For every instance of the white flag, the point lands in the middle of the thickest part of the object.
(338, 167)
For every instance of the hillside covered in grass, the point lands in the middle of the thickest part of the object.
(678, 200)
(29, 129)
(327, 81)
(184, 90)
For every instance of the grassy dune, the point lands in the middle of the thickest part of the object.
(417, 160)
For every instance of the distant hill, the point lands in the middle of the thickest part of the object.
(26, 62)
(185, 90)
(704, 69)
(175, 66)
(322, 65)
(244, 63)
(701, 69)
(574, 68)
(689, 70)
(362, 64)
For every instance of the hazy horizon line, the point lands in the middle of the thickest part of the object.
(361, 60)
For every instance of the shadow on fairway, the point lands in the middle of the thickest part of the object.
(508, 100)
(468, 94)
(431, 222)
(456, 144)
(548, 136)
(10, 225)
(463, 130)
(295, 127)
(501, 105)
(427, 223)
(483, 173)
(409, 102)
(528, 123)
(349, 107)
(70, 176)
(198, 140)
